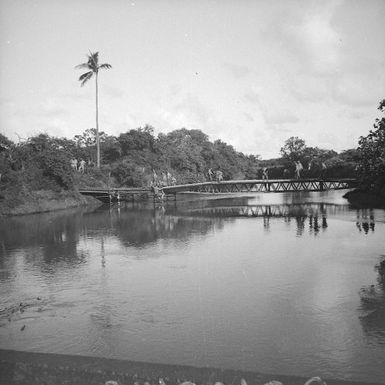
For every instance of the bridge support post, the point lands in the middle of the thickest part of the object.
(321, 185)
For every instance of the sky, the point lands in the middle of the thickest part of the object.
(249, 72)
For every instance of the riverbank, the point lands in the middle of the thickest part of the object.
(43, 201)
(361, 199)
(25, 368)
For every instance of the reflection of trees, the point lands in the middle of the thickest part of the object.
(141, 227)
(137, 224)
(373, 306)
(51, 239)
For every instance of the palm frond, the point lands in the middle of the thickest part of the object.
(105, 66)
(85, 77)
(86, 74)
(81, 66)
(93, 59)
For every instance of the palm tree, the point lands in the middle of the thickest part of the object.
(93, 66)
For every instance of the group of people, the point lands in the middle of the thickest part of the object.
(298, 169)
(165, 179)
(215, 175)
(78, 165)
(312, 165)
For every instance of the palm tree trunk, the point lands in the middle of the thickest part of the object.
(97, 125)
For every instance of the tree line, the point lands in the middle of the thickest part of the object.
(129, 159)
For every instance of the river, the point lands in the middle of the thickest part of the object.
(287, 283)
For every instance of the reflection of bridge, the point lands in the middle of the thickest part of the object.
(258, 185)
(228, 186)
(269, 210)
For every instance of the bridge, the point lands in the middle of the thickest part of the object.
(263, 185)
(228, 186)
(118, 194)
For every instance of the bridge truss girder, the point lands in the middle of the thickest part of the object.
(268, 186)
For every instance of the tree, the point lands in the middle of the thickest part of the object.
(372, 154)
(5, 148)
(88, 138)
(93, 66)
(110, 148)
(5, 143)
(44, 162)
(139, 139)
(293, 149)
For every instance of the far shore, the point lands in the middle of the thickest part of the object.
(47, 201)
(22, 368)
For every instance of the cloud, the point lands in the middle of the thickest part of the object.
(251, 96)
(5, 101)
(51, 108)
(175, 90)
(357, 91)
(193, 110)
(238, 71)
(320, 42)
(273, 112)
(280, 117)
(308, 38)
(112, 92)
(329, 53)
(248, 117)
(327, 139)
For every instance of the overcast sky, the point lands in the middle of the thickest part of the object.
(252, 73)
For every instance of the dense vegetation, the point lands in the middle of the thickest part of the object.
(130, 159)
(43, 163)
(371, 151)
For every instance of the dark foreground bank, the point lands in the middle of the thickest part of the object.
(24, 368)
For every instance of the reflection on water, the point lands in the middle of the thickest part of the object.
(286, 283)
(313, 216)
(365, 220)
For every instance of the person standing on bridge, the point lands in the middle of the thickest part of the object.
(210, 174)
(169, 176)
(265, 173)
(219, 175)
(323, 170)
(154, 178)
(298, 169)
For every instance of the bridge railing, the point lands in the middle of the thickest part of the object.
(263, 185)
(231, 186)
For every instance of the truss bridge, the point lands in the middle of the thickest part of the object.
(261, 185)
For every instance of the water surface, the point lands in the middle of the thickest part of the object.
(280, 283)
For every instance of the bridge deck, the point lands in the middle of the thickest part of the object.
(261, 185)
(228, 186)
(110, 194)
